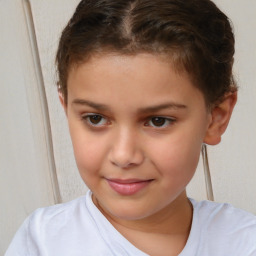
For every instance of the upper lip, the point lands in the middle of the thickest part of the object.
(128, 181)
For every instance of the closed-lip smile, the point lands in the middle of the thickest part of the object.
(128, 187)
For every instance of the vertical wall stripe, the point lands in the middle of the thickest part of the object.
(44, 105)
(207, 174)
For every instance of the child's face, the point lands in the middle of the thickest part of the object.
(137, 128)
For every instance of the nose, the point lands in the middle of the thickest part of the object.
(125, 150)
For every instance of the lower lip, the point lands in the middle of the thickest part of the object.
(128, 189)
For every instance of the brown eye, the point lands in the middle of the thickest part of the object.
(158, 121)
(95, 119)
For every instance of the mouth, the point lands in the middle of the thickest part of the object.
(128, 187)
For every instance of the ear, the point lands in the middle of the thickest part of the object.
(220, 116)
(62, 101)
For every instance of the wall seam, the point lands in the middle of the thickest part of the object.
(43, 102)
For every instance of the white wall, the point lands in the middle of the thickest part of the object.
(233, 161)
(26, 166)
(27, 158)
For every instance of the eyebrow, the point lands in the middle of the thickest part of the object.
(168, 105)
(90, 104)
(155, 108)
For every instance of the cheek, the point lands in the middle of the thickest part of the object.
(89, 151)
(177, 158)
(87, 156)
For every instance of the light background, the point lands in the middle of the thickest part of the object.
(37, 166)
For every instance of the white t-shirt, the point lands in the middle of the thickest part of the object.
(78, 228)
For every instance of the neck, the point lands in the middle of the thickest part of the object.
(174, 219)
(161, 234)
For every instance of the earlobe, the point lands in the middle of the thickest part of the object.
(62, 101)
(220, 116)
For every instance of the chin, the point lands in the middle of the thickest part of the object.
(122, 210)
(130, 215)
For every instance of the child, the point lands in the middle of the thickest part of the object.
(144, 84)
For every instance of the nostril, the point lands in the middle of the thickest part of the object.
(122, 163)
(126, 159)
(124, 166)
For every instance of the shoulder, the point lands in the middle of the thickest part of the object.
(224, 228)
(223, 213)
(60, 230)
(58, 211)
(54, 218)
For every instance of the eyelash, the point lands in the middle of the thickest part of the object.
(169, 121)
(86, 118)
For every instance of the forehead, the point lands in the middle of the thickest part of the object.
(137, 79)
(107, 56)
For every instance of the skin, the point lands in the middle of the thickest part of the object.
(124, 142)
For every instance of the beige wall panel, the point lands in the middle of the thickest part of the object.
(232, 165)
(233, 161)
(49, 18)
(25, 160)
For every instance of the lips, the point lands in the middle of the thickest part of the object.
(128, 187)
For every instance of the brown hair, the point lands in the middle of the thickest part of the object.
(195, 34)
